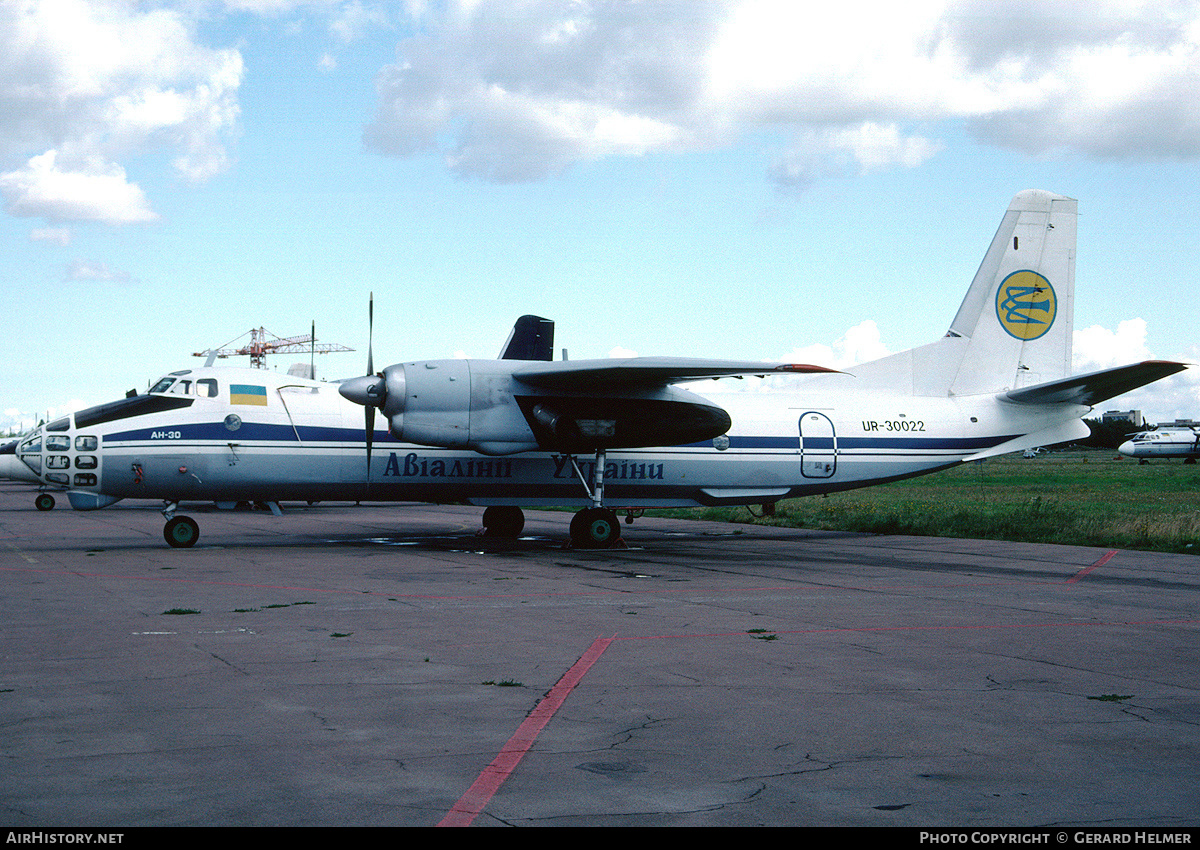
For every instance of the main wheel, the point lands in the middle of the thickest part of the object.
(181, 532)
(503, 521)
(44, 502)
(595, 528)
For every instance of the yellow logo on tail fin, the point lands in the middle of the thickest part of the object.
(1026, 305)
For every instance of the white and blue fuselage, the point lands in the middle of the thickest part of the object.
(225, 434)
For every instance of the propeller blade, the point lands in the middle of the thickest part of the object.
(370, 438)
(370, 409)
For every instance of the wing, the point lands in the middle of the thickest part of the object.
(635, 372)
(585, 405)
(1095, 387)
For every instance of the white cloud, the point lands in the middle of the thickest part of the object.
(91, 82)
(508, 91)
(351, 21)
(860, 344)
(88, 190)
(95, 271)
(1100, 348)
(57, 235)
(845, 151)
(1176, 397)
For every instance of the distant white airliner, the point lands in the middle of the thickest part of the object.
(1163, 442)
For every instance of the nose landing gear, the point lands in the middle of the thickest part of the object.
(180, 532)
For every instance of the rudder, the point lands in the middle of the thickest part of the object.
(1018, 315)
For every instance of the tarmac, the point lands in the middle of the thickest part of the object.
(381, 665)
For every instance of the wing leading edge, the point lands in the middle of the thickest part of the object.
(635, 372)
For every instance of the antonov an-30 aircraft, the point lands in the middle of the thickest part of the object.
(1163, 442)
(601, 435)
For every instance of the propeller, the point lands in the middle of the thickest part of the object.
(371, 389)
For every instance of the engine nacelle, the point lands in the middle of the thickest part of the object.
(456, 404)
(479, 405)
(436, 408)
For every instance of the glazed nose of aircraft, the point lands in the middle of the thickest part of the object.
(369, 390)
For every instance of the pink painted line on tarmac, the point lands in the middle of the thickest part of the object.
(485, 787)
(1108, 556)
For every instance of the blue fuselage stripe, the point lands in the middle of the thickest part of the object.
(251, 432)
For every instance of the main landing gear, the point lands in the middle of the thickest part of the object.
(595, 527)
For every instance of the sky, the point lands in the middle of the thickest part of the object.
(749, 179)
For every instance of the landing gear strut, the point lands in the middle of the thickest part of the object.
(595, 527)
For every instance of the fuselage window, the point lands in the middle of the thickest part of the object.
(58, 444)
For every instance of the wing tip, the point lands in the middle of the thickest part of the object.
(805, 369)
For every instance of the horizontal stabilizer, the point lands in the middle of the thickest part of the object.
(1064, 432)
(645, 372)
(1095, 387)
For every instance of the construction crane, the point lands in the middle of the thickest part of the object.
(263, 342)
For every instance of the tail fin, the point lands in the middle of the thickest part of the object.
(1015, 325)
(1019, 311)
(532, 338)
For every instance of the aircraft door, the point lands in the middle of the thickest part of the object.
(818, 446)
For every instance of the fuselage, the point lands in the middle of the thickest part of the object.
(227, 435)
(1165, 442)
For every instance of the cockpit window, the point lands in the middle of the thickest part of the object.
(162, 385)
(127, 407)
(182, 388)
(206, 387)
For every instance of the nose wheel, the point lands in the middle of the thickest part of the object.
(181, 532)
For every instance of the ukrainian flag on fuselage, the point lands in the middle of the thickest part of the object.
(247, 394)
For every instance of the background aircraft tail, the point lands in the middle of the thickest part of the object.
(1015, 325)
